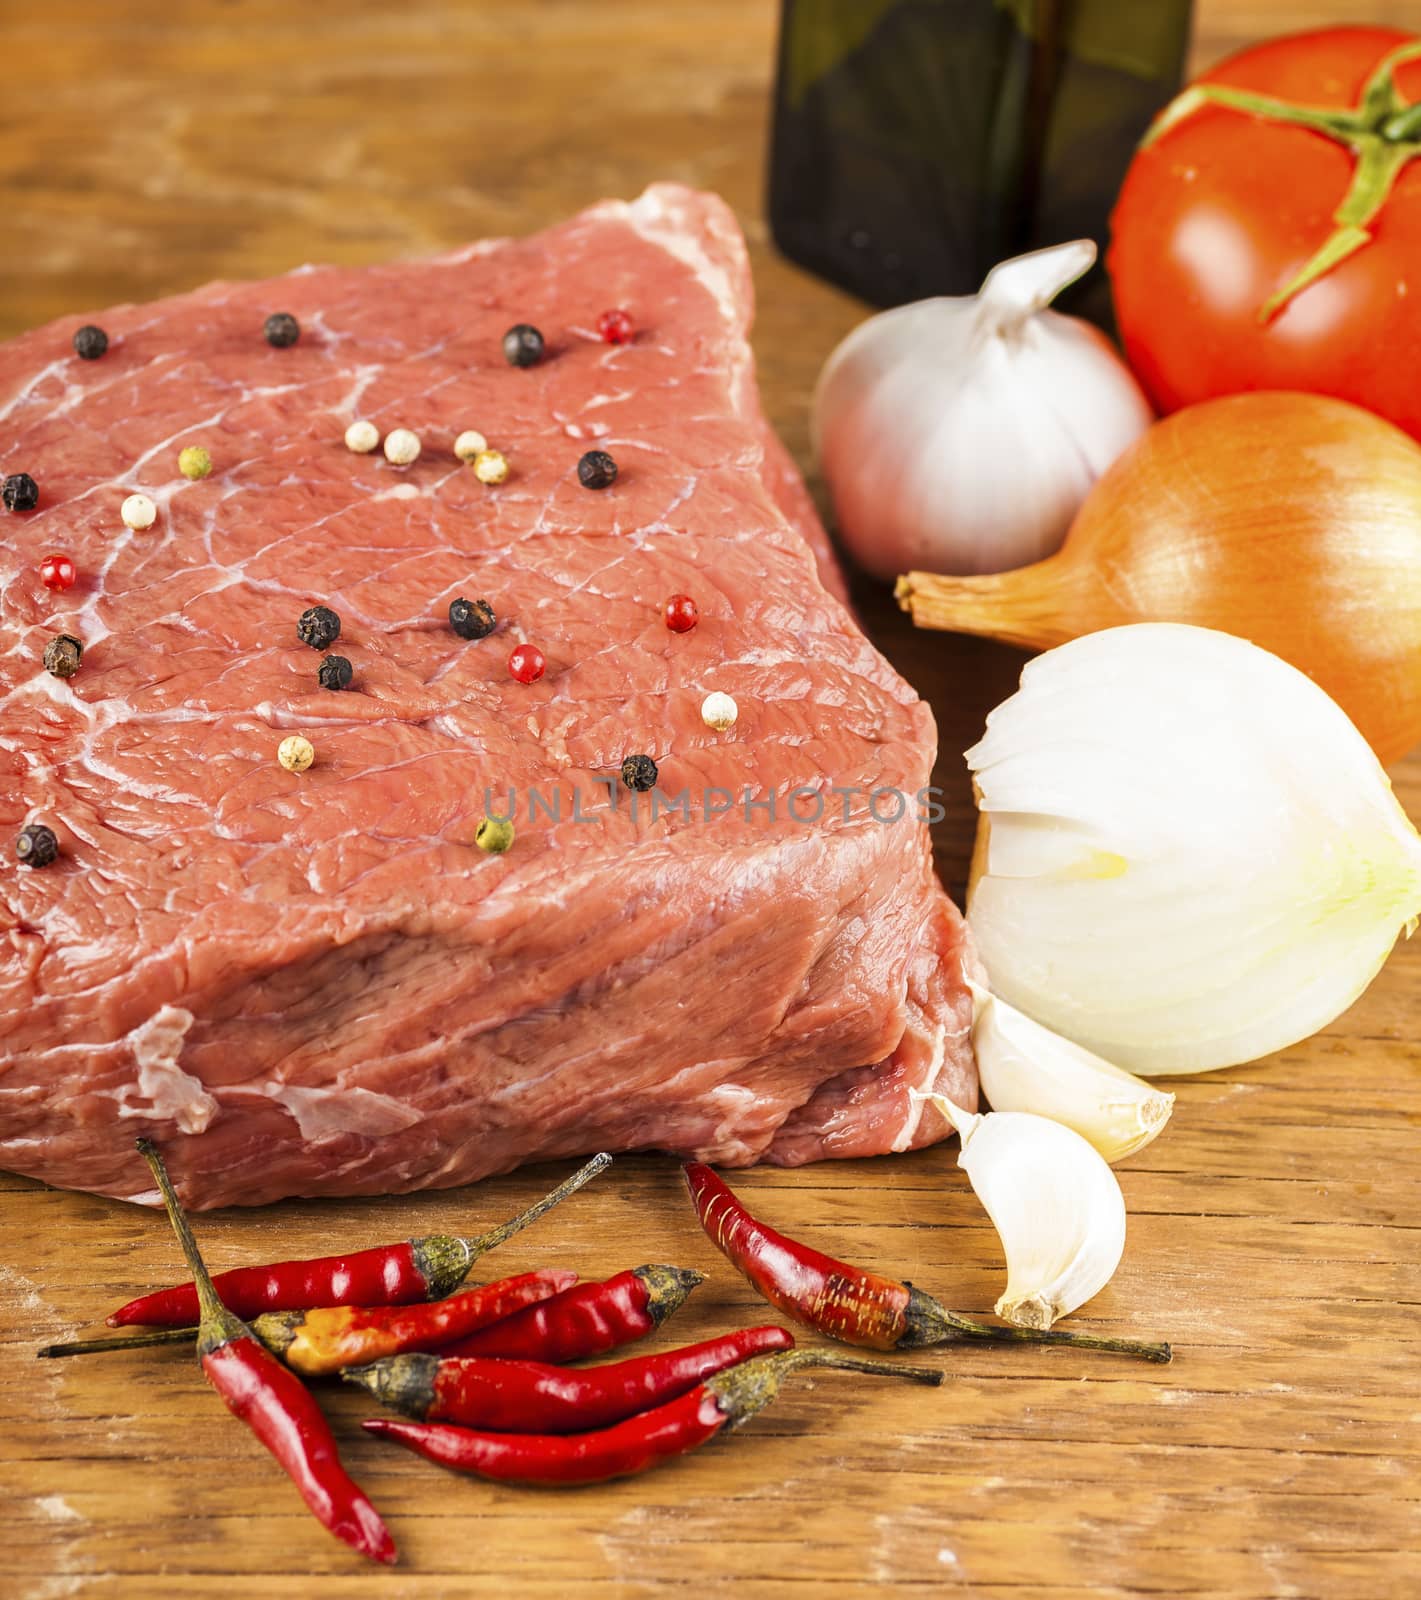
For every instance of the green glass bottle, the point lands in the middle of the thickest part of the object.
(916, 143)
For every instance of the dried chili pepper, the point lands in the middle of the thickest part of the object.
(586, 1320)
(534, 1397)
(848, 1303)
(389, 1275)
(723, 1401)
(273, 1402)
(323, 1339)
(331, 1337)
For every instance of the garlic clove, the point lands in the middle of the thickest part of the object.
(1054, 1202)
(1025, 1067)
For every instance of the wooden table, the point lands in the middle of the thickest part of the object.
(149, 145)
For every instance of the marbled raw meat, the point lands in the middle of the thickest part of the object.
(317, 984)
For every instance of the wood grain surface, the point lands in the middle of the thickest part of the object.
(1275, 1229)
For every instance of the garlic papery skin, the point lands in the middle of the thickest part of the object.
(1025, 1067)
(961, 434)
(1054, 1202)
(1191, 856)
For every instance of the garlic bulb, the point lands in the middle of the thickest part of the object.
(1025, 1067)
(1054, 1202)
(962, 434)
(1190, 857)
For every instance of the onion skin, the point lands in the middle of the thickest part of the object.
(1291, 520)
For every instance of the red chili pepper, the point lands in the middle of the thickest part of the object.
(534, 1397)
(389, 1275)
(331, 1337)
(644, 1441)
(274, 1403)
(586, 1320)
(848, 1303)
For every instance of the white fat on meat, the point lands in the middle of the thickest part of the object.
(163, 1090)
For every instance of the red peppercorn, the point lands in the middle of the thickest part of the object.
(527, 663)
(615, 326)
(57, 572)
(681, 613)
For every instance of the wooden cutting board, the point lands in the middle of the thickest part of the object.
(1275, 1232)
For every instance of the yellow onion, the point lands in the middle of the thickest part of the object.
(1291, 520)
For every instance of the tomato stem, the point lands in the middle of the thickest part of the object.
(1372, 180)
(1404, 127)
(1382, 131)
(1380, 97)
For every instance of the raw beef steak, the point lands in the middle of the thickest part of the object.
(316, 982)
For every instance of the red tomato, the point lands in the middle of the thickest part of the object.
(1225, 208)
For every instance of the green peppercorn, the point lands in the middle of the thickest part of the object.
(472, 619)
(318, 626)
(639, 773)
(19, 492)
(194, 462)
(90, 342)
(335, 673)
(36, 845)
(596, 470)
(494, 834)
(281, 329)
(523, 345)
(62, 655)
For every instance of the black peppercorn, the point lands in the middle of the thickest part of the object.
(62, 655)
(596, 470)
(90, 342)
(20, 492)
(36, 845)
(318, 627)
(471, 619)
(639, 772)
(281, 329)
(335, 673)
(523, 345)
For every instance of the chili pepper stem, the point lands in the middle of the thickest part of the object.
(136, 1341)
(445, 1259)
(277, 1330)
(218, 1325)
(931, 1323)
(793, 1360)
(404, 1382)
(748, 1388)
(667, 1288)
